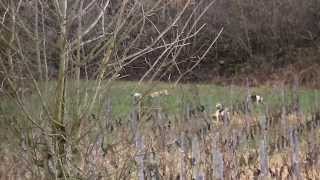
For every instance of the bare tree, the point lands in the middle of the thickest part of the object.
(61, 41)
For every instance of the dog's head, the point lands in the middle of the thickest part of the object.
(219, 106)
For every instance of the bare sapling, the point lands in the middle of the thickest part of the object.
(69, 53)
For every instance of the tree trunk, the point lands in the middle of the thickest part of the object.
(58, 124)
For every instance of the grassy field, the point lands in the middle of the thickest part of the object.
(242, 159)
(205, 94)
(120, 95)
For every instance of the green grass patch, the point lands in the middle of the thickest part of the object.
(119, 93)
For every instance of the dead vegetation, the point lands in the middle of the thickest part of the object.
(155, 145)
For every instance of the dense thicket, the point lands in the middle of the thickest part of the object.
(263, 37)
(259, 38)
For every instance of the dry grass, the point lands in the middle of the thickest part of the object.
(164, 155)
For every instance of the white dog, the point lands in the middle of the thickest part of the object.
(159, 93)
(254, 98)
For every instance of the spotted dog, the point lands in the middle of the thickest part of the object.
(222, 114)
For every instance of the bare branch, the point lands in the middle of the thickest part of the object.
(201, 58)
(97, 19)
